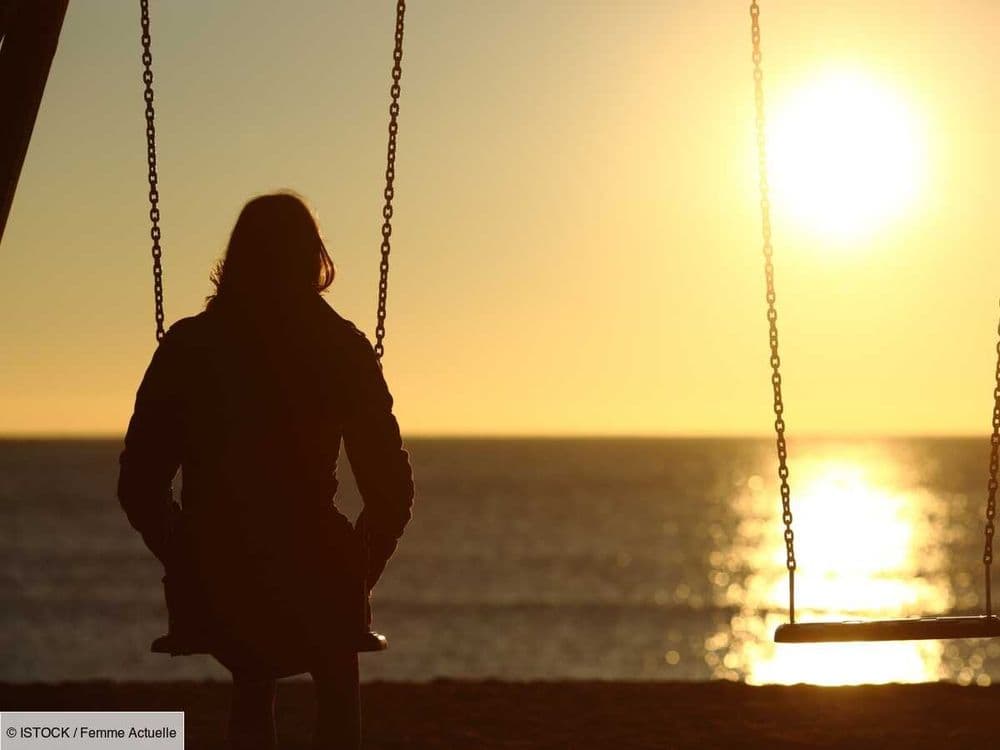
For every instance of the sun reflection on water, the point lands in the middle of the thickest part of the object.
(867, 547)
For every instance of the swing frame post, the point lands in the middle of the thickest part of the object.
(30, 32)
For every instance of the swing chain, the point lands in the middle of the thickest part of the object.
(154, 192)
(772, 314)
(390, 176)
(991, 495)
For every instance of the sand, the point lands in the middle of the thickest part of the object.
(580, 715)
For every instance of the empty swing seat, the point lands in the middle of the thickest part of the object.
(906, 629)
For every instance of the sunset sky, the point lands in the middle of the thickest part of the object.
(577, 245)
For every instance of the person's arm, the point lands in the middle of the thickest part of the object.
(380, 464)
(152, 453)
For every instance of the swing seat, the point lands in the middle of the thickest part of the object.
(370, 642)
(185, 638)
(175, 645)
(906, 629)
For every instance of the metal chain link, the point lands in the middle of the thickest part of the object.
(386, 247)
(772, 313)
(154, 193)
(390, 176)
(991, 495)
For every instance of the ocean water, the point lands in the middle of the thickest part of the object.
(555, 559)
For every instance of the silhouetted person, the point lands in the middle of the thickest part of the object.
(250, 399)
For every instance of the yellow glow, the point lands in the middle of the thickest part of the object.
(847, 155)
(860, 547)
(857, 544)
(843, 663)
(614, 200)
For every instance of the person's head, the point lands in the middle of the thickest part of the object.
(275, 250)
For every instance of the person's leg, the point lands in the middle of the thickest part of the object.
(251, 720)
(338, 703)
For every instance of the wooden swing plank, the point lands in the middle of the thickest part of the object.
(368, 642)
(907, 629)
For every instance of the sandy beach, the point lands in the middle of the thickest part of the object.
(460, 714)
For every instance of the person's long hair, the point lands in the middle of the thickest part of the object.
(275, 252)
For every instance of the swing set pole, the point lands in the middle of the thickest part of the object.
(30, 31)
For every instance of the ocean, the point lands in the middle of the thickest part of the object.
(544, 559)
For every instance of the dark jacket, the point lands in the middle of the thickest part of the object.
(251, 403)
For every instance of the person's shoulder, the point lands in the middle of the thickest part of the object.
(344, 330)
(188, 325)
(188, 331)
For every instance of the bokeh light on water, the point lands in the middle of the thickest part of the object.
(616, 559)
(872, 541)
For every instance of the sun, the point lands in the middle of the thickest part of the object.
(847, 155)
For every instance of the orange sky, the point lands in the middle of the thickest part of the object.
(576, 245)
